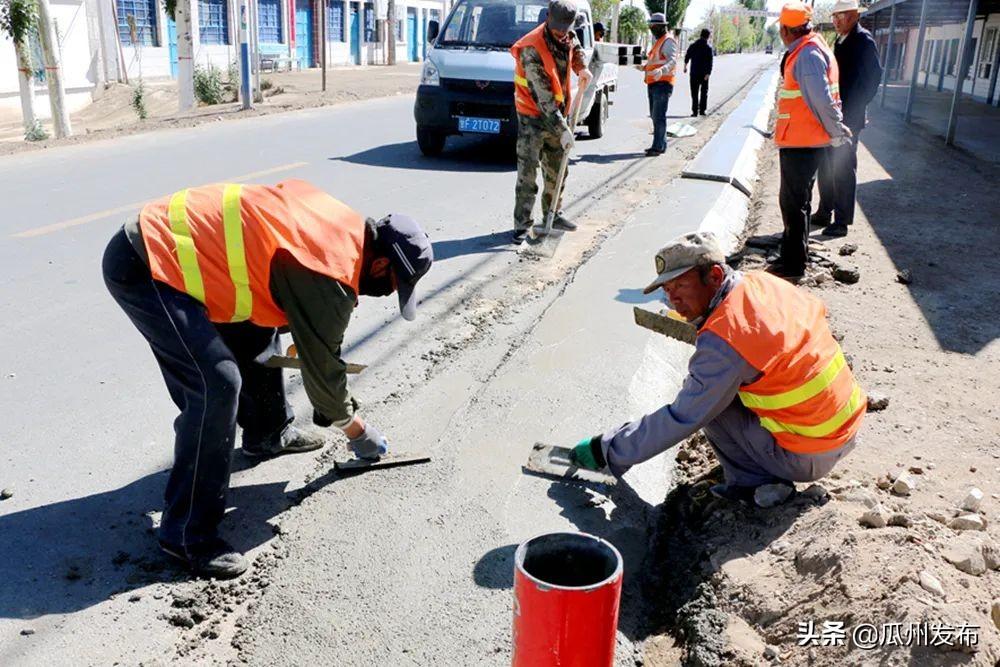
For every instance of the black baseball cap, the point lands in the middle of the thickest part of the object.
(410, 253)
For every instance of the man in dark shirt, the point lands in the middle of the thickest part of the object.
(860, 74)
(699, 55)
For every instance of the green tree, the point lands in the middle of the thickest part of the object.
(603, 10)
(673, 9)
(631, 25)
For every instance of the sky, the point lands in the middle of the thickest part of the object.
(699, 8)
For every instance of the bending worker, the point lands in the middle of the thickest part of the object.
(208, 275)
(767, 383)
(809, 120)
(542, 62)
(660, 72)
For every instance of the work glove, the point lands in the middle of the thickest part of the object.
(587, 454)
(567, 140)
(837, 142)
(370, 444)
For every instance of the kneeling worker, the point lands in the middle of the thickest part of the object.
(208, 276)
(767, 382)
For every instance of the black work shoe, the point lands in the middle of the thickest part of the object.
(290, 441)
(518, 236)
(733, 493)
(214, 558)
(820, 219)
(652, 152)
(837, 229)
(563, 224)
(782, 270)
(694, 114)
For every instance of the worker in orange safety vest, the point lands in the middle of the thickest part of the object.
(767, 383)
(660, 72)
(209, 275)
(809, 120)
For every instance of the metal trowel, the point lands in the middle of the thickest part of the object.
(554, 462)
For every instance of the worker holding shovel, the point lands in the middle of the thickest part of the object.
(542, 62)
(208, 276)
(768, 383)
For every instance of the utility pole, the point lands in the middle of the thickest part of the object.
(322, 39)
(258, 95)
(53, 71)
(185, 56)
(390, 21)
(245, 56)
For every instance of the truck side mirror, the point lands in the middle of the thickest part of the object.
(432, 30)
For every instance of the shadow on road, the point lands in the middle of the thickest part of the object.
(460, 155)
(67, 556)
(607, 158)
(473, 245)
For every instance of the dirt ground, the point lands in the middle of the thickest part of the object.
(111, 114)
(794, 584)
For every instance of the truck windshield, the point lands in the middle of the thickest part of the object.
(491, 24)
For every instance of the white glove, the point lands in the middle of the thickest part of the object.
(837, 142)
(567, 140)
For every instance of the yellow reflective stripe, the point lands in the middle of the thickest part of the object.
(786, 94)
(835, 88)
(784, 116)
(800, 394)
(187, 255)
(236, 253)
(559, 98)
(819, 430)
(520, 81)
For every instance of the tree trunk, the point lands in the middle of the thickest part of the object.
(27, 85)
(390, 22)
(53, 71)
(614, 21)
(185, 56)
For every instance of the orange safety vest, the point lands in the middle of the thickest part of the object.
(806, 395)
(523, 100)
(216, 243)
(797, 126)
(655, 60)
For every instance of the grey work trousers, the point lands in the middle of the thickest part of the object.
(750, 456)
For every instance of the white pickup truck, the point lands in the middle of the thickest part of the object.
(467, 82)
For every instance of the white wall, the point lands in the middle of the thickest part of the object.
(980, 87)
(79, 61)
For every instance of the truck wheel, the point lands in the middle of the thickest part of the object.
(598, 114)
(431, 143)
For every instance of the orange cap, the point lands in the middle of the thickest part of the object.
(794, 14)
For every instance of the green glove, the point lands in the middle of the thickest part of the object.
(583, 454)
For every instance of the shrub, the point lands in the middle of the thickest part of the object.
(208, 86)
(139, 100)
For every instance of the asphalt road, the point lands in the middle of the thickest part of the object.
(87, 429)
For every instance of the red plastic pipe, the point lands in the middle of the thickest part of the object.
(567, 588)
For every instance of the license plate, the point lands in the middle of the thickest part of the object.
(481, 125)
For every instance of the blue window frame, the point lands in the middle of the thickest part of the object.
(144, 12)
(269, 21)
(369, 22)
(335, 21)
(213, 21)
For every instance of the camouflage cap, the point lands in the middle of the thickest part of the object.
(683, 254)
(562, 14)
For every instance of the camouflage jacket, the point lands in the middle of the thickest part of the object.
(552, 119)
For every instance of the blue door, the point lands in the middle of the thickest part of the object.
(423, 38)
(355, 43)
(411, 34)
(172, 46)
(303, 32)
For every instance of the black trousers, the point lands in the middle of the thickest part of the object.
(838, 181)
(798, 174)
(212, 377)
(699, 93)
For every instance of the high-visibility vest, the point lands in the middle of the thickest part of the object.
(216, 242)
(523, 100)
(797, 126)
(655, 60)
(806, 395)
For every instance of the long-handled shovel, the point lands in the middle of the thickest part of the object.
(544, 242)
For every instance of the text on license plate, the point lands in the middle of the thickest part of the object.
(483, 125)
